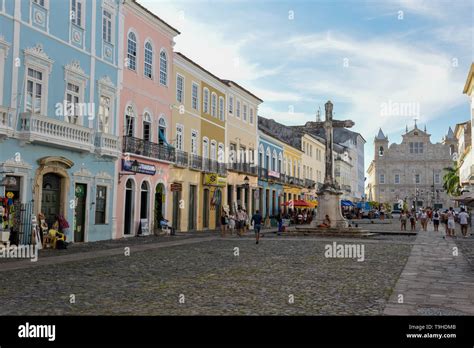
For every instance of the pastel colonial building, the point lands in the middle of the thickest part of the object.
(464, 135)
(59, 67)
(411, 171)
(144, 121)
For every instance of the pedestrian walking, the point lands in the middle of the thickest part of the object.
(257, 225)
(451, 222)
(403, 220)
(424, 220)
(224, 223)
(240, 222)
(436, 218)
(413, 221)
(463, 221)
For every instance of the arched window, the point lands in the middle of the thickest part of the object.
(220, 153)
(381, 151)
(146, 127)
(161, 131)
(132, 51)
(205, 101)
(163, 68)
(213, 154)
(144, 197)
(279, 162)
(214, 105)
(205, 148)
(130, 121)
(221, 108)
(260, 156)
(267, 158)
(148, 68)
(274, 160)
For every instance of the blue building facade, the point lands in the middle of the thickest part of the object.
(270, 161)
(59, 95)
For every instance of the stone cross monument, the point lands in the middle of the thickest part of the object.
(329, 194)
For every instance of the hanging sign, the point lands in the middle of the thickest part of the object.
(214, 180)
(143, 168)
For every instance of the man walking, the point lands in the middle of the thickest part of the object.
(463, 221)
(257, 224)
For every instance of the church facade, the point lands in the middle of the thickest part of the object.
(411, 171)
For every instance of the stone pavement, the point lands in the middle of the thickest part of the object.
(435, 281)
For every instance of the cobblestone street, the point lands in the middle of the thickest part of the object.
(210, 279)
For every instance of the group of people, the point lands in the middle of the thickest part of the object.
(448, 218)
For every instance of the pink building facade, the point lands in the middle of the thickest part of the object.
(144, 119)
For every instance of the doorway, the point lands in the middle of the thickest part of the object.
(159, 204)
(144, 201)
(51, 197)
(128, 215)
(80, 212)
(176, 211)
(192, 208)
(205, 209)
(218, 206)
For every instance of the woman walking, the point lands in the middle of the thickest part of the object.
(424, 220)
(403, 220)
(451, 222)
(224, 223)
(436, 219)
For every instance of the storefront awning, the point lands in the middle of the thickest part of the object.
(346, 203)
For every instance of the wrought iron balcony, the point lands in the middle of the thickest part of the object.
(209, 165)
(262, 173)
(107, 145)
(309, 183)
(181, 159)
(221, 169)
(195, 162)
(6, 122)
(43, 129)
(244, 168)
(148, 149)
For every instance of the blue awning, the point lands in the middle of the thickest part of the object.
(346, 203)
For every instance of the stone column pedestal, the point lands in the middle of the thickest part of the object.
(330, 204)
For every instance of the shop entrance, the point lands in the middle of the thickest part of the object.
(128, 216)
(79, 226)
(159, 203)
(218, 206)
(51, 197)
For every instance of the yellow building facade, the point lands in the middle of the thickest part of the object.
(293, 181)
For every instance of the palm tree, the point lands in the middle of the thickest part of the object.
(451, 180)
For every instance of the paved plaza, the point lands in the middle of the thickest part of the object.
(210, 275)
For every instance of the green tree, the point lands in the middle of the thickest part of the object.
(451, 180)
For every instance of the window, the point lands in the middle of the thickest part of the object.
(104, 114)
(244, 116)
(179, 137)
(163, 68)
(279, 162)
(274, 160)
(129, 122)
(100, 205)
(238, 108)
(416, 148)
(161, 131)
(251, 116)
(437, 178)
(231, 104)
(39, 2)
(213, 150)
(382, 179)
(205, 148)
(194, 144)
(76, 12)
(179, 88)
(267, 158)
(72, 102)
(242, 154)
(148, 67)
(221, 108)
(205, 102)
(213, 105)
(132, 51)
(34, 91)
(195, 96)
(146, 127)
(397, 178)
(220, 153)
(107, 26)
(417, 178)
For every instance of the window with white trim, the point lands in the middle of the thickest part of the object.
(163, 68)
(100, 205)
(205, 147)
(221, 108)
(132, 51)
(251, 116)
(194, 142)
(34, 91)
(214, 105)
(179, 137)
(397, 178)
(104, 114)
(220, 153)
(107, 26)
(72, 111)
(161, 131)
(382, 179)
(237, 111)
(195, 96)
(76, 12)
(129, 121)
(213, 154)
(205, 101)
(148, 62)
(231, 104)
(40, 2)
(179, 88)
(244, 114)
(147, 127)
(437, 178)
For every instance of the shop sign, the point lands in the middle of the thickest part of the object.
(143, 168)
(274, 174)
(214, 180)
(176, 186)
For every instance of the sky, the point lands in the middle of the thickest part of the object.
(383, 64)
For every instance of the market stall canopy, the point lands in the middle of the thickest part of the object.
(346, 203)
(467, 197)
(299, 203)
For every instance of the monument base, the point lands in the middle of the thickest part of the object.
(329, 203)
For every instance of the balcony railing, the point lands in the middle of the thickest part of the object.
(107, 145)
(42, 129)
(262, 173)
(195, 162)
(309, 183)
(221, 169)
(244, 168)
(6, 122)
(181, 159)
(209, 165)
(148, 149)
